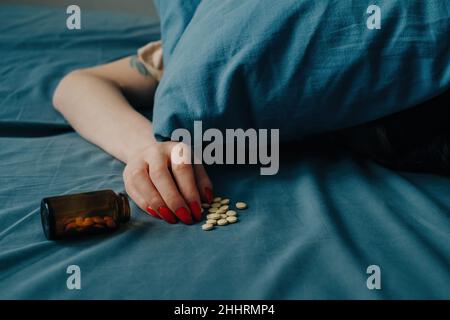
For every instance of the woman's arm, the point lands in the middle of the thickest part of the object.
(97, 103)
(94, 101)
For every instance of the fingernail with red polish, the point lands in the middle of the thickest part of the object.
(167, 215)
(196, 210)
(184, 215)
(209, 195)
(153, 213)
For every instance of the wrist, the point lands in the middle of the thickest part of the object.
(134, 149)
(138, 136)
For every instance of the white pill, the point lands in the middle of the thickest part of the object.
(224, 208)
(214, 216)
(223, 216)
(225, 201)
(217, 199)
(232, 219)
(211, 221)
(212, 210)
(231, 213)
(222, 222)
(241, 205)
(206, 205)
(207, 227)
(215, 205)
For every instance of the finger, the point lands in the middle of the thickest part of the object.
(156, 203)
(185, 179)
(203, 182)
(153, 199)
(145, 194)
(137, 198)
(131, 178)
(164, 183)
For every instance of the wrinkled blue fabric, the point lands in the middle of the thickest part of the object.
(303, 66)
(310, 232)
(38, 50)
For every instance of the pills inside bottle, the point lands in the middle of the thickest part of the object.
(81, 214)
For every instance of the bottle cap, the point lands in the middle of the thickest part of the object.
(124, 208)
(47, 220)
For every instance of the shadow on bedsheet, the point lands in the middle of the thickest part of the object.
(32, 129)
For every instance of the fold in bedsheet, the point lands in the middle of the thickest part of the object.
(310, 231)
(37, 49)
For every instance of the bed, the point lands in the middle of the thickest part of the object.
(310, 232)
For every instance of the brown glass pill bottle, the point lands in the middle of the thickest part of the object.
(80, 214)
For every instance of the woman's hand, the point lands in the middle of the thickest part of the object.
(166, 187)
(98, 104)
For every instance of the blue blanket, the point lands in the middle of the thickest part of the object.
(310, 232)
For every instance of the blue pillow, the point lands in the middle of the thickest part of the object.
(175, 16)
(302, 66)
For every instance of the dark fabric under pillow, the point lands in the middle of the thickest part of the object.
(417, 139)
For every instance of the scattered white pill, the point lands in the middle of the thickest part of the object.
(220, 213)
(207, 227)
(231, 213)
(214, 216)
(241, 205)
(232, 219)
(222, 222)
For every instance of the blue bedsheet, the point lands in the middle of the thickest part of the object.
(310, 231)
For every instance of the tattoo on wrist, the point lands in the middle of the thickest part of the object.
(139, 66)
